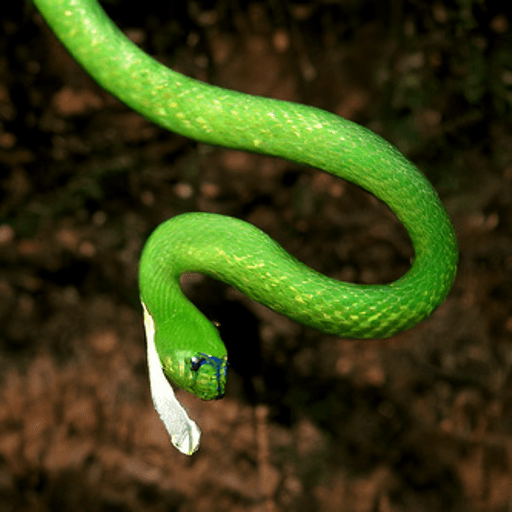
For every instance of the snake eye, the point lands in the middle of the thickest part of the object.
(196, 363)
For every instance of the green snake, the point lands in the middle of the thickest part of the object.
(181, 341)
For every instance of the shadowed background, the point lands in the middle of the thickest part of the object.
(420, 422)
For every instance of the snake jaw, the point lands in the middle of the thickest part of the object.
(202, 374)
(219, 365)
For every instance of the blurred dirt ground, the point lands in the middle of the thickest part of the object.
(420, 422)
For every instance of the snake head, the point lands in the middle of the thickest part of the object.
(202, 374)
(209, 375)
(191, 353)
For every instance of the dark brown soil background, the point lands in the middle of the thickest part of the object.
(421, 422)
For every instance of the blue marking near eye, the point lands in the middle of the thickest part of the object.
(220, 365)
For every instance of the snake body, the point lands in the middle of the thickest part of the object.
(188, 345)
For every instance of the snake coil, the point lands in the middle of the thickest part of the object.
(180, 339)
